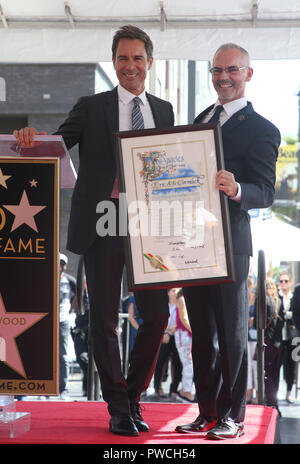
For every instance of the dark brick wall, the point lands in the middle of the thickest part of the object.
(28, 88)
(28, 85)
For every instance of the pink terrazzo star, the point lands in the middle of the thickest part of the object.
(12, 325)
(24, 213)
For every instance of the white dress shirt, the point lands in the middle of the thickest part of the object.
(229, 109)
(126, 106)
(125, 99)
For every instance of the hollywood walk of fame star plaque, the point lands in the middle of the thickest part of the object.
(29, 270)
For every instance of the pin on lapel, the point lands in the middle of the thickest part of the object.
(241, 117)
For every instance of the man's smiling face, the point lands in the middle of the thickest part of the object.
(131, 64)
(231, 86)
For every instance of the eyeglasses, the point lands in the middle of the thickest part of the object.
(284, 281)
(231, 70)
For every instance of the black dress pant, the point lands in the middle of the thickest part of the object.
(288, 363)
(218, 316)
(104, 262)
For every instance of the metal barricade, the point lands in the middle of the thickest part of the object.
(93, 382)
(124, 350)
(260, 326)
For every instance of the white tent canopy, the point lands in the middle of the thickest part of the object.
(58, 31)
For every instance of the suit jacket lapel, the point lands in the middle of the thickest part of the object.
(237, 118)
(111, 110)
(202, 115)
(155, 111)
(232, 122)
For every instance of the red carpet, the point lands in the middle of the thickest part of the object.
(87, 423)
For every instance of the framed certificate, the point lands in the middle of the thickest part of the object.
(177, 226)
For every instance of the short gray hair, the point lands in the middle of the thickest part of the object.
(229, 45)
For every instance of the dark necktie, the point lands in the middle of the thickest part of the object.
(137, 124)
(216, 116)
(137, 117)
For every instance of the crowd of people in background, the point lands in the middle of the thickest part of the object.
(279, 332)
(174, 360)
(174, 363)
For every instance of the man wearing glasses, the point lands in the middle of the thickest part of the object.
(218, 314)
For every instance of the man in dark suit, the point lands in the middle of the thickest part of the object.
(218, 314)
(92, 124)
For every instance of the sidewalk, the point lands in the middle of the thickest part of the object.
(75, 394)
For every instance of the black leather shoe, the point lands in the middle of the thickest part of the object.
(226, 428)
(123, 425)
(201, 424)
(137, 417)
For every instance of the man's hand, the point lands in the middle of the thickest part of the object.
(172, 329)
(25, 136)
(225, 181)
(166, 339)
